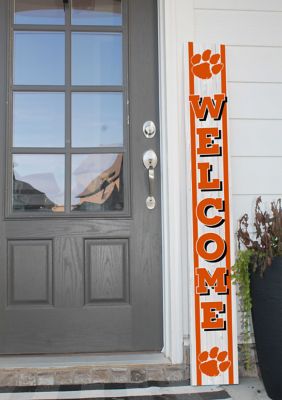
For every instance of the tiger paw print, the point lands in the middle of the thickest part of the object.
(206, 65)
(213, 362)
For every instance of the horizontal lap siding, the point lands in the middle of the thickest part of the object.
(257, 64)
(257, 5)
(255, 138)
(256, 175)
(252, 31)
(255, 101)
(238, 27)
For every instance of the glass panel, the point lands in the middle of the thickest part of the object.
(38, 182)
(96, 12)
(39, 120)
(96, 58)
(39, 58)
(49, 12)
(97, 119)
(97, 182)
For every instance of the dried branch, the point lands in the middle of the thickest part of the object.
(266, 242)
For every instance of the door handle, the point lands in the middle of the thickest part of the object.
(150, 161)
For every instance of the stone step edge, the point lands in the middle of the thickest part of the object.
(82, 375)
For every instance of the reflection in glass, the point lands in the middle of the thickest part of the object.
(39, 119)
(96, 12)
(38, 182)
(39, 58)
(39, 12)
(97, 182)
(97, 119)
(96, 58)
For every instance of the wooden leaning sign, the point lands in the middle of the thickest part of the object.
(214, 358)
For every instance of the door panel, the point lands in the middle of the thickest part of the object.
(80, 252)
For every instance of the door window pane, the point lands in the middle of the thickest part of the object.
(97, 182)
(39, 119)
(96, 58)
(96, 12)
(38, 182)
(97, 119)
(39, 58)
(39, 12)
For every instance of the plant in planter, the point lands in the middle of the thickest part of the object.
(241, 276)
(258, 273)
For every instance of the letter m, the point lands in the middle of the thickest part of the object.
(217, 281)
(204, 105)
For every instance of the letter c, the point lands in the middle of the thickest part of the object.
(204, 206)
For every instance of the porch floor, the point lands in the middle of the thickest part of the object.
(248, 389)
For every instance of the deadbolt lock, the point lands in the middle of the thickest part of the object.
(149, 129)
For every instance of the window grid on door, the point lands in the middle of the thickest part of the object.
(70, 92)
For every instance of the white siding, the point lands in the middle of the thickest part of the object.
(252, 31)
(238, 27)
(255, 137)
(254, 5)
(260, 64)
(255, 101)
(256, 175)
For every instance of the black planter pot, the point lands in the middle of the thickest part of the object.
(266, 294)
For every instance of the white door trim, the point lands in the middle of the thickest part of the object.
(175, 28)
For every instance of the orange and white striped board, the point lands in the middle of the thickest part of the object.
(213, 333)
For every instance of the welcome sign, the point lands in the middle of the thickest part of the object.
(213, 336)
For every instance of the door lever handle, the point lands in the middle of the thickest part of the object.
(150, 161)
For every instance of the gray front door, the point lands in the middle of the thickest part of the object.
(80, 252)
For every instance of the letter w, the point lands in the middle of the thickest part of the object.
(217, 281)
(204, 105)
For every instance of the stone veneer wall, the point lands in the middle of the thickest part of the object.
(109, 374)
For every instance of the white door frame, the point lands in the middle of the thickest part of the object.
(175, 28)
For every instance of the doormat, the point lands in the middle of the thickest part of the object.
(84, 392)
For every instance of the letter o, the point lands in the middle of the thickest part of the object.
(203, 243)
